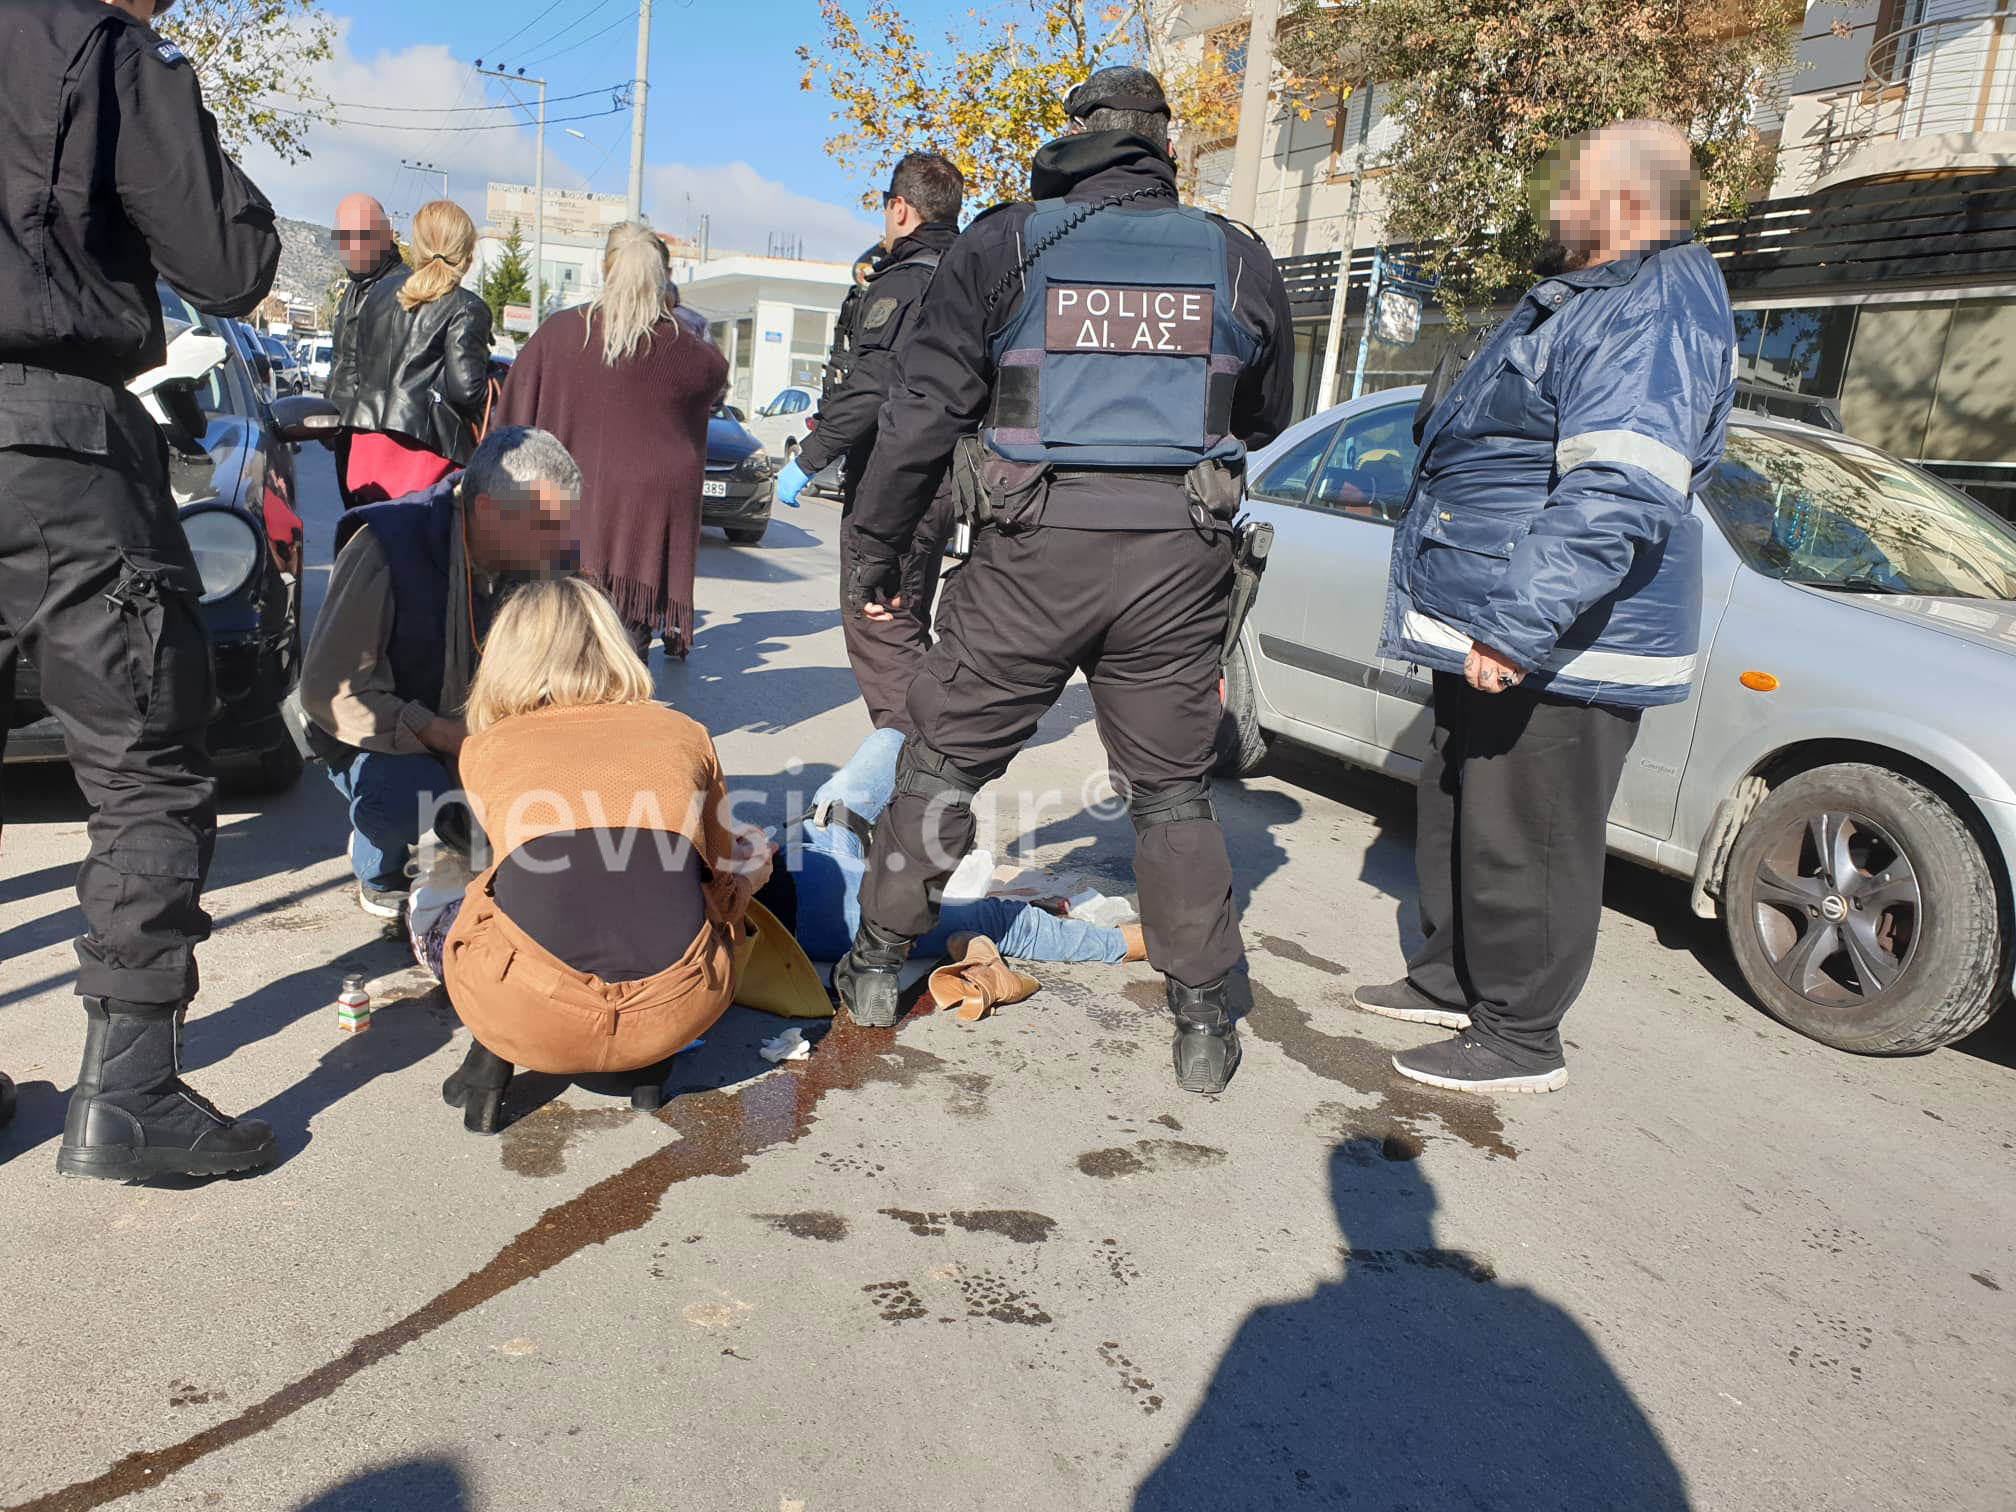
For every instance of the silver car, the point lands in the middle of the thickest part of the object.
(1841, 784)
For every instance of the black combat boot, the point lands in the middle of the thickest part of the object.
(478, 1090)
(869, 978)
(132, 1116)
(1207, 1040)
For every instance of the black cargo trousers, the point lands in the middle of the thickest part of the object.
(1143, 614)
(887, 655)
(99, 591)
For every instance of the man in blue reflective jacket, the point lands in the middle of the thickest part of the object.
(1548, 573)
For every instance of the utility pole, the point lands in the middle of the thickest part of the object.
(428, 168)
(1333, 340)
(1251, 142)
(639, 88)
(538, 185)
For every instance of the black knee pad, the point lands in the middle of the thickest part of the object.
(922, 772)
(1149, 807)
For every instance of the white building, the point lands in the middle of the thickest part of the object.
(772, 317)
(1885, 87)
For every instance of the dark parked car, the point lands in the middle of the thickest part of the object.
(289, 377)
(233, 480)
(739, 489)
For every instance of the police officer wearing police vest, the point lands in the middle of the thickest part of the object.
(920, 214)
(1548, 572)
(1118, 352)
(111, 172)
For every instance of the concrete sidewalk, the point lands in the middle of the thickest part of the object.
(1004, 1265)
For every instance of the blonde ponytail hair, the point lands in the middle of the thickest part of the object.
(556, 643)
(636, 270)
(444, 242)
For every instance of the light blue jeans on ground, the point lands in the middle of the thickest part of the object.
(828, 866)
(392, 798)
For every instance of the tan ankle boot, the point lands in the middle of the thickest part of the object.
(978, 981)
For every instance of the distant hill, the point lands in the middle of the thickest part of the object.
(308, 262)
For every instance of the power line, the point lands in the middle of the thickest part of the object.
(576, 47)
(578, 21)
(431, 109)
(594, 115)
(524, 29)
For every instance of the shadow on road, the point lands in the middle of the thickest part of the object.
(420, 1485)
(1418, 1379)
(722, 562)
(712, 687)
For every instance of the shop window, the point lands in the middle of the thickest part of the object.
(1802, 349)
(1893, 368)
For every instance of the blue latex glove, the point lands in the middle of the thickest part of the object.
(789, 482)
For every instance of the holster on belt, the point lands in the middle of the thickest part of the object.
(1215, 490)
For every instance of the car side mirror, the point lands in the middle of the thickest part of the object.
(305, 417)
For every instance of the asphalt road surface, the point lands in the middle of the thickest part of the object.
(1005, 1265)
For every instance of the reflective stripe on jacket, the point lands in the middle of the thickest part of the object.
(1550, 517)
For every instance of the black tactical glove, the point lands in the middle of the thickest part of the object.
(873, 572)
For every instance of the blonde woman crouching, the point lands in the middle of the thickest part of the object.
(601, 938)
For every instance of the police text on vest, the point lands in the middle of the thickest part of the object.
(1164, 322)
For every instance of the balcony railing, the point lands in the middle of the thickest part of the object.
(1935, 78)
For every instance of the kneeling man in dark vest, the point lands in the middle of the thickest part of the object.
(410, 599)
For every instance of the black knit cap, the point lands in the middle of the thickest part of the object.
(1144, 93)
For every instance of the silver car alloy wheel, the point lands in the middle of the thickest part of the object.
(1839, 908)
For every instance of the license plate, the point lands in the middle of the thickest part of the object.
(713, 489)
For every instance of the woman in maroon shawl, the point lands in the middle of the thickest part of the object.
(628, 391)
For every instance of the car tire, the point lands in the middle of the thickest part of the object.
(1242, 745)
(747, 535)
(274, 770)
(1863, 913)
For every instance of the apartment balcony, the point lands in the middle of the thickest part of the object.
(1937, 96)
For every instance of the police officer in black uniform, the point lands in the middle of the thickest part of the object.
(1118, 353)
(111, 172)
(920, 215)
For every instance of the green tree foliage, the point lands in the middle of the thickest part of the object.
(994, 93)
(1487, 92)
(509, 280)
(256, 62)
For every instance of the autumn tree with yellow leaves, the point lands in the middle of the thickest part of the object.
(988, 99)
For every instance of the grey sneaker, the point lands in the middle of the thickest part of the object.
(380, 902)
(1463, 1064)
(1402, 1000)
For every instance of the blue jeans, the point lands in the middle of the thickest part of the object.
(828, 867)
(392, 799)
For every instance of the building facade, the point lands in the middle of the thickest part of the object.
(1879, 275)
(772, 318)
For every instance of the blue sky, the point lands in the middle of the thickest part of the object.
(731, 133)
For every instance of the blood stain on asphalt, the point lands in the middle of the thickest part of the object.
(720, 1131)
(830, 1227)
(1366, 1066)
(537, 1144)
(1288, 950)
(1148, 1155)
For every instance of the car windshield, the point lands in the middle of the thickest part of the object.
(1815, 510)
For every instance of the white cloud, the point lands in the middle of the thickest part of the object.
(743, 206)
(743, 209)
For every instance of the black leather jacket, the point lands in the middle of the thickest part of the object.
(422, 373)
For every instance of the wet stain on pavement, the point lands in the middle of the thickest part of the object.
(830, 1227)
(990, 1296)
(1148, 1155)
(1384, 1262)
(1018, 1224)
(720, 1131)
(1119, 1264)
(1168, 1121)
(188, 1394)
(537, 1144)
(897, 1301)
(1984, 1279)
(1288, 950)
(1132, 1381)
(968, 1097)
(1366, 1066)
